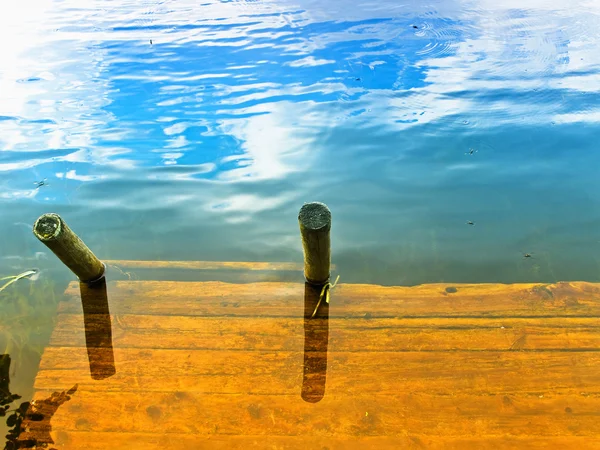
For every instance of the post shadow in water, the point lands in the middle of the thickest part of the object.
(316, 337)
(98, 329)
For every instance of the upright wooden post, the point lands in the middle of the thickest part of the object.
(52, 230)
(315, 226)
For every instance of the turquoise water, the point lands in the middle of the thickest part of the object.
(179, 130)
(187, 131)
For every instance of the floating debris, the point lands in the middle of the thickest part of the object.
(325, 294)
(15, 278)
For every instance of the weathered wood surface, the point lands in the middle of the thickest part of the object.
(315, 228)
(385, 373)
(84, 440)
(217, 365)
(205, 265)
(351, 301)
(389, 334)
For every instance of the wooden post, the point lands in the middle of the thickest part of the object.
(52, 230)
(315, 225)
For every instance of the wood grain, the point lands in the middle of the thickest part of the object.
(84, 440)
(238, 372)
(335, 415)
(282, 333)
(205, 265)
(578, 299)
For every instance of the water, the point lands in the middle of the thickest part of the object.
(179, 130)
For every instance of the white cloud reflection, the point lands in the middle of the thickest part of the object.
(310, 61)
(240, 208)
(18, 194)
(73, 175)
(275, 144)
(507, 54)
(52, 91)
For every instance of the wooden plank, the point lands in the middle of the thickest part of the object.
(281, 333)
(206, 265)
(348, 373)
(336, 416)
(577, 299)
(85, 440)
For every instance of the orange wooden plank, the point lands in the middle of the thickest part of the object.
(348, 373)
(205, 265)
(578, 299)
(281, 333)
(459, 415)
(86, 440)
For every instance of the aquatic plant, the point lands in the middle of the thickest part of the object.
(14, 417)
(27, 310)
(15, 278)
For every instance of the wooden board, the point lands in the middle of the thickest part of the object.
(205, 265)
(218, 365)
(351, 301)
(85, 440)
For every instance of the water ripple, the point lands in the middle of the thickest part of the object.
(245, 108)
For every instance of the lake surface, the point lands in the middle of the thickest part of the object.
(186, 131)
(179, 130)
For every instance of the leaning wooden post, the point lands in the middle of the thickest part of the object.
(52, 230)
(315, 226)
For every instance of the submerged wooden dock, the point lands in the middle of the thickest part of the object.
(237, 366)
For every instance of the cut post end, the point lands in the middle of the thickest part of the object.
(315, 216)
(47, 227)
(52, 230)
